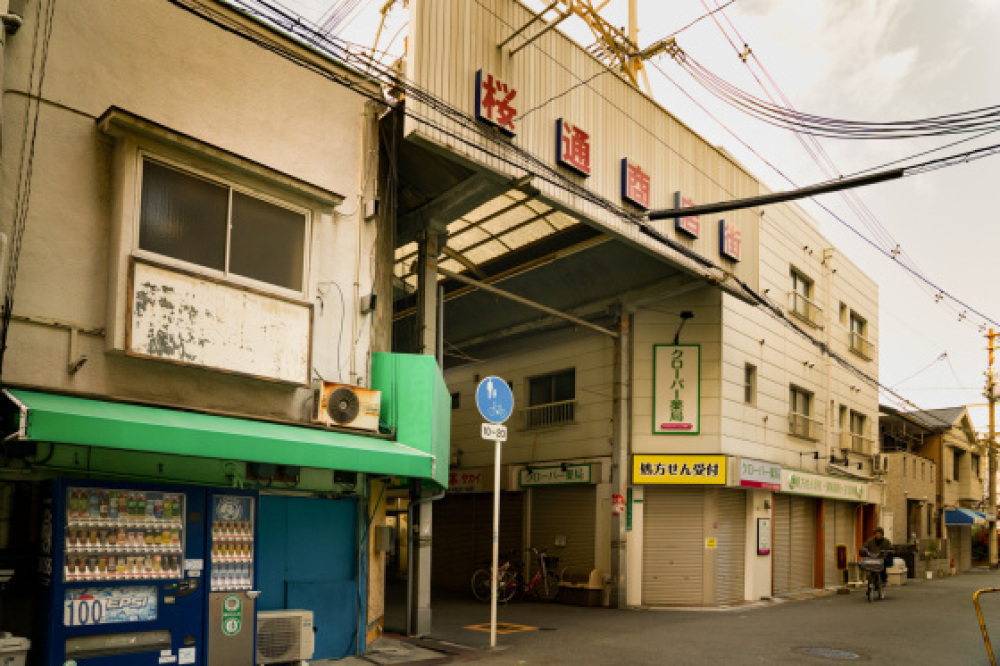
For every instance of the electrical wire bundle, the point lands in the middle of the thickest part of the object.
(974, 120)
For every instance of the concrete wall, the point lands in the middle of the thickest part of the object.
(294, 126)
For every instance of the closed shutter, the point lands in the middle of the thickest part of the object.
(839, 530)
(803, 546)
(673, 546)
(570, 512)
(781, 549)
(730, 557)
(463, 535)
(794, 543)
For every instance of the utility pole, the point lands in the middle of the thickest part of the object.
(991, 398)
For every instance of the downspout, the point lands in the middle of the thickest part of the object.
(410, 512)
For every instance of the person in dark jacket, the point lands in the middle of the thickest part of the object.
(879, 544)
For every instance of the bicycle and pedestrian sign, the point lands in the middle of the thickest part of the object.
(494, 399)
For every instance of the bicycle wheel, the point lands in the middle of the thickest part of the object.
(507, 586)
(548, 587)
(481, 585)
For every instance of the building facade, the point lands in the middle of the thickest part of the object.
(184, 259)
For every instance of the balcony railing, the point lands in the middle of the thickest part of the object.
(860, 345)
(802, 425)
(548, 415)
(804, 309)
(856, 443)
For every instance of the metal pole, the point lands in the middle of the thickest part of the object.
(992, 450)
(496, 542)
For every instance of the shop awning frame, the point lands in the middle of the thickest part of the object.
(46, 417)
(964, 517)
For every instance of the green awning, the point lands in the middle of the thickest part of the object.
(62, 419)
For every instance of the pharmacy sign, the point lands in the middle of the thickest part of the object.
(676, 389)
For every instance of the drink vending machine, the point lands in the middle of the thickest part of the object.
(124, 569)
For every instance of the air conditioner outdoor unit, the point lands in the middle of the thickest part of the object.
(347, 406)
(284, 636)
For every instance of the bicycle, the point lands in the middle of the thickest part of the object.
(544, 585)
(873, 564)
(482, 581)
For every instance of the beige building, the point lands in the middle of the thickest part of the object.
(188, 242)
(935, 471)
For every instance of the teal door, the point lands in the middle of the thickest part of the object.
(309, 560)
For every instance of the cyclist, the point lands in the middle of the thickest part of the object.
(878, 544)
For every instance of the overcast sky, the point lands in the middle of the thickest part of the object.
(880, 60)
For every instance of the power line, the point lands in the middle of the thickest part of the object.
(550, 174)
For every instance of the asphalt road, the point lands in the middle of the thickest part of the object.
(923, 622)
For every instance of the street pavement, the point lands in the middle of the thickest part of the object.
(922, 622)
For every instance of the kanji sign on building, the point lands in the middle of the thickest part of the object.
(729, 240)
(679, 470)
(676, 389)
(494, 102)
(572, 147)
(635, 184)
(689, 226)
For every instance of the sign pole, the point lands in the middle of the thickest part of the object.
(496, 403)
(497, 445)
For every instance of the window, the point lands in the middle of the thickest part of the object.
(975, 466)
(800, 421)
(201, 222)
(956, 464)
(843, 313)
(551, 399)
(456, 400)
(801, 299)
(750, 384)
(859, 425)
(859, 336)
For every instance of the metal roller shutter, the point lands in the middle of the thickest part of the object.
(781, 554)
(567, 511)
(730, 556)
(839, 529)
(794, 543)
(803, 545)
(673, 546)
(463, 535)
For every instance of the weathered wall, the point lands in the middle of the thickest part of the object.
(178, 70)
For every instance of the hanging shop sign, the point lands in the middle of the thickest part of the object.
(688, 226)
(760, 474)
(676, 389)
(635, 184)
(819, 485)
(763, 536)
(730, 240)
(707, 470)
(555, 475)
(471, 480)
(572, 147)
(495, 102)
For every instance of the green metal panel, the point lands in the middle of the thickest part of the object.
(416, 402)
(69, 420)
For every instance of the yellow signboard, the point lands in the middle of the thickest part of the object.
(679, 470)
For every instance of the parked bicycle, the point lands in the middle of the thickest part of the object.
(544, 585)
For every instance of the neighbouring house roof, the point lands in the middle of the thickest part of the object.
(939, 419)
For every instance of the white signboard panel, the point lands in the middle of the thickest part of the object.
(819, 485)
(193, 320)
(676, 389)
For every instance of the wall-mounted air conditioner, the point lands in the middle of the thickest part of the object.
(284, 636)
(347, 406)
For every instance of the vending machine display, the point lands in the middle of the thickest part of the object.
(122, 535)
(121, 569)
(230, 634)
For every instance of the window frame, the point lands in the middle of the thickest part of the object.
(794, 391)
(231, 185)
(750, 384)
(564, 412)
(811, 313)
(857, 337)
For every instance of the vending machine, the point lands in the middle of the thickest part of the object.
(122, 568)
(140, 574)
(230, 630)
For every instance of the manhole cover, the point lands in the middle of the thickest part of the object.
(831, 653)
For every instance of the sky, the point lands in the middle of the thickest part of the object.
(872, 60)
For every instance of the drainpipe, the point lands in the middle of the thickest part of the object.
(418, 623)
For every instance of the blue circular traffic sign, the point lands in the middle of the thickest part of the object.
(494, 399)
